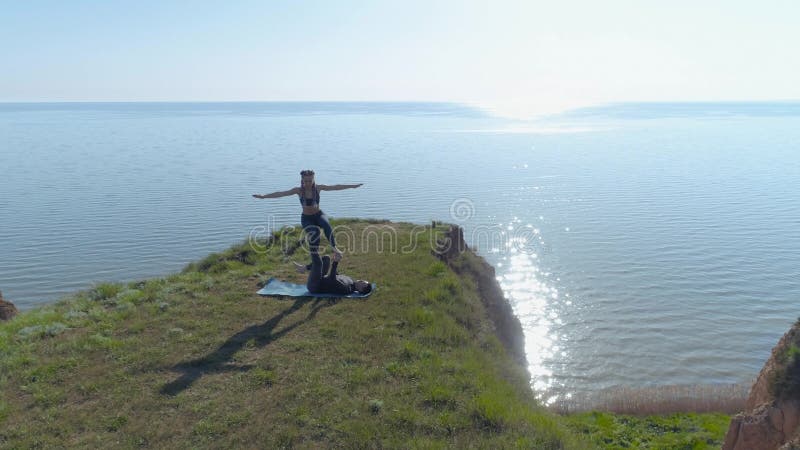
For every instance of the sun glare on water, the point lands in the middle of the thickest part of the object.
(533, 300)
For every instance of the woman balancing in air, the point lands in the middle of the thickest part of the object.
(313, 218)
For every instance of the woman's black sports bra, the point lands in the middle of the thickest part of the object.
(309, 201)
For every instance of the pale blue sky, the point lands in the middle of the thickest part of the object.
(518, 57)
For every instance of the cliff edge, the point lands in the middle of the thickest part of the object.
(7, 309)
(772, 412)
(453, 251)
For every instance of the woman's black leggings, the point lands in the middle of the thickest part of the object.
(312, 224)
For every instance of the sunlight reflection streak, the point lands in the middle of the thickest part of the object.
(534, 302)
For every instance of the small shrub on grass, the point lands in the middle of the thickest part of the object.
(785, 380)
(54, 329)
(287, 438)
(105, 291)
(792, 353)
(17, 361)
(97, 314)
(52, 372)
(436, 295)
(451, 285)
(75, 315)
(138, 326)
(151, 289)
(448, 292)
(375, 406)
(236, 420)
(406, 371)
(42, 331)
(440, 397)
(233, 297)
(124, 309)
(203, 265)
(262, 377)
(405, 419)
(114, 423)
(218, 262)
(209, 428)
(445, 331)
(489, 412)
(46, 396)
(207, 283)
(100, 342)
(3, 414)
(411, 350)
(5, 344)
(436, 269)
(133, 296)
(420, 317)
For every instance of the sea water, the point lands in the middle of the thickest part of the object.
(639, 244)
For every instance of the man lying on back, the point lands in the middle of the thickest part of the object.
(322, 282)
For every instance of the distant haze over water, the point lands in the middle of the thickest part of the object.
(640, 244)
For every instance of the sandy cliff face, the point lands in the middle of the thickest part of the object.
(452, 250)
(772, 412)
(7, 309)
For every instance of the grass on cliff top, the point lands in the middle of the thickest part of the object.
(784, 381)
(197, 359)
(667, 432)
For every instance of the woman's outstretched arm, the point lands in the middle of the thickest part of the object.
(292, 191)
(338, 187)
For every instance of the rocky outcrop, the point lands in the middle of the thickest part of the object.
(7, 309)
(772, 412)
(794, 444)
(453, 251)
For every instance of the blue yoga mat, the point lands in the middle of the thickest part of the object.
(284, 288)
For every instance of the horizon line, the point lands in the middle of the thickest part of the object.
(469, 103)
(481, 108)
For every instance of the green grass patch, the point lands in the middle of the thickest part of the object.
(670, 432)
(262, 377)
(105, 291)
(197, 359)
(784, 381)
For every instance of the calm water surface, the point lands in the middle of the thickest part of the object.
(640, 244)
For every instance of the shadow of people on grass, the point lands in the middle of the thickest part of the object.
(261, 335)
